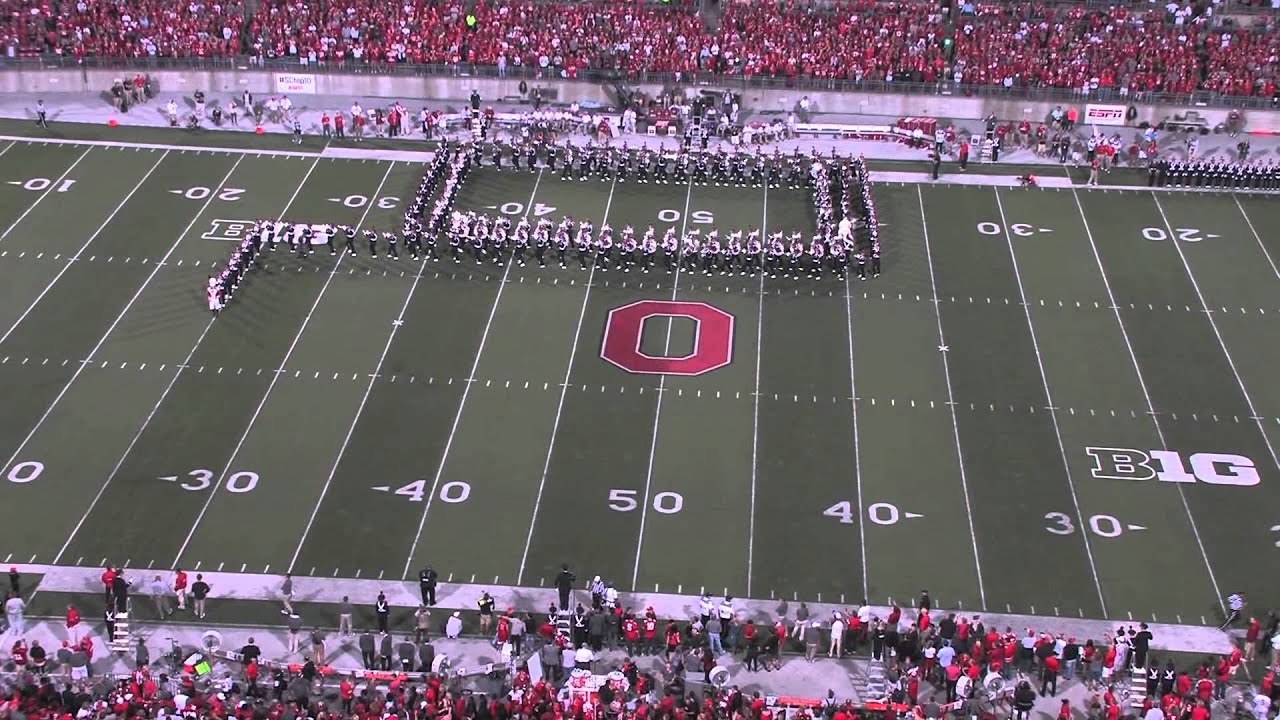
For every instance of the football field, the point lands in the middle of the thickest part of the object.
(1054, 402)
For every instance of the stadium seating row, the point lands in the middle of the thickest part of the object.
(1129, 50)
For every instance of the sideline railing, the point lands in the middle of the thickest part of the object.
(534, 75)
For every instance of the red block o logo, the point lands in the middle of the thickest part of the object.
(712, 338)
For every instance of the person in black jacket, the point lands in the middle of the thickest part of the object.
(564, 584)
(1024, 699)
(427, 581)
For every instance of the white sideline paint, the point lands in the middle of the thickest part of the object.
(1200, 639)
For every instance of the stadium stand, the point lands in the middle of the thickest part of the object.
(1120, 49)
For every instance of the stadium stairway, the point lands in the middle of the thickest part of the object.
(869, 683)
(1137, 687)
(121, 640)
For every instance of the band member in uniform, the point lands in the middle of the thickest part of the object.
(567, 168)
(661, 174)
(670, 249)
(584, 244)
(541, 241)
(531, 156)
(642, 165)
(553, 153)
(390, 239)
(562, 245)
(648, 248)
(604, 248)
(372, 236)
(733, 253)
(629, 247)
(796, 255)
(751, 259)
(776, 252)
(690, 252)
(521, 241)
(816, 253)
(711, 252)
(700, 169)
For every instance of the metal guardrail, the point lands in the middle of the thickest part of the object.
(729, 81)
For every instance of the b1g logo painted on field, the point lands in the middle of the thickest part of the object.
(712, 338)
(1167, 466)
(229, 230)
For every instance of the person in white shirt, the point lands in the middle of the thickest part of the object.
(453, 626)
(836, 648)
(286, 106)
(583, 657)
(1261, 706)
(705, 607)
(13, 608)
(946, 655)
(171, 110)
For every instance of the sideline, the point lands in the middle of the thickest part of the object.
(1169, 637)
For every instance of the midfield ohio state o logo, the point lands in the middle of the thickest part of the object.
(712, 338)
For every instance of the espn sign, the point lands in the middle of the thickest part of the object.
(1104, 114)
(1167, 466)
(289, 83)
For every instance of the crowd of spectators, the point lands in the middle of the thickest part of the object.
(1176, 48)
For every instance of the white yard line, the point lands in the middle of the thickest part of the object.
(181, 367)
(1257, 238)
(1048, 395)
(755, 396)
(52, 187)
(857, 442)
(564, 390)
(1151, 408)
(275, 377)
(79, 252)
(351, 429)
(101, 341)
(8, 147)
(951, 402)
(466, 391)
(662, 386)
(1204, 305)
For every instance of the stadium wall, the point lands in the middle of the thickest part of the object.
(438, 88)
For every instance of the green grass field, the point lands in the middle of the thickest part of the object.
(980, 420)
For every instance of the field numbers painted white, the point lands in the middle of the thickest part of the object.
(1019, 229)
(25, 472)
(202, 479)
(667, 503)
(40, 184)
(697, 217)
(1107, 526)
(880, 513)
(200, 192)
(388, 202)
(450, 492)
(1190, 235)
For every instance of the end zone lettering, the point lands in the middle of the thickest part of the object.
(1167, 466)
